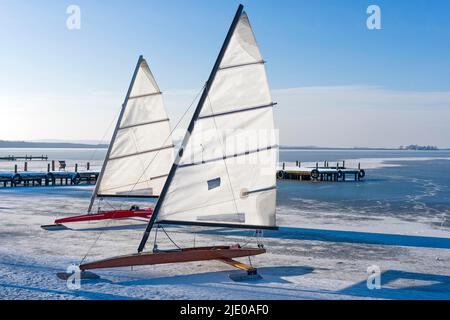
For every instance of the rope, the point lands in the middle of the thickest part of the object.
(164, 230)
(95, 242)
(154, 241)
(109, 204)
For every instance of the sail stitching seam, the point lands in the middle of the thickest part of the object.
(238, 110)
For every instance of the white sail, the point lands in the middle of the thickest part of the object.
(141, 153)
(226, 174)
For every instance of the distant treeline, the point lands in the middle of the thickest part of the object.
(411, 147)
(416, 147)
(330, 148)
(25, 144)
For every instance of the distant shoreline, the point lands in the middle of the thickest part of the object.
(71, 145)
(49, 145)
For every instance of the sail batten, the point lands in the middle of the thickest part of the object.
(141, 152)
(220, 225)
(242, 65)
(238, 111)
(145, 95)
(142, 147)
(245, 153)
(144, 123)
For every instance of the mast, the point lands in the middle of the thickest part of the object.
(190, 128)
(122, 111)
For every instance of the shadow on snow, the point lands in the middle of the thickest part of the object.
(413, 286)
(343, 236)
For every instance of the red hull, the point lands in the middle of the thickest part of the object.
(108, 215)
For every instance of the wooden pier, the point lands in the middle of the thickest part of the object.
(29, 179)
(24, 158)
(337, 173)
(51, 177)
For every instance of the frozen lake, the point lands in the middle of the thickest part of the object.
(397, 219)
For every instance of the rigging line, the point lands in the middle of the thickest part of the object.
(164, 230)
(167, 138)
(109, 204)
(156, 236)
(224, 160)
(99, 235)
(250, 261)
(250, 238)
(96, 240)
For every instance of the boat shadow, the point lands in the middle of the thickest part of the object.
(414, 285)
(343, 237)
(269, 275)
(140, 226)
(410, 285)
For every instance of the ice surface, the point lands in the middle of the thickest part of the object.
(311, 257)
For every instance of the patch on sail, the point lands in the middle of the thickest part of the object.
(226, 218)
(214, 183)
(136, 192)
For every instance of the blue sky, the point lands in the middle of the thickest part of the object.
(321, 60)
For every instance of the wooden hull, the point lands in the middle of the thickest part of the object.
(223, 253)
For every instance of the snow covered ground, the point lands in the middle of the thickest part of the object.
(310, 257)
